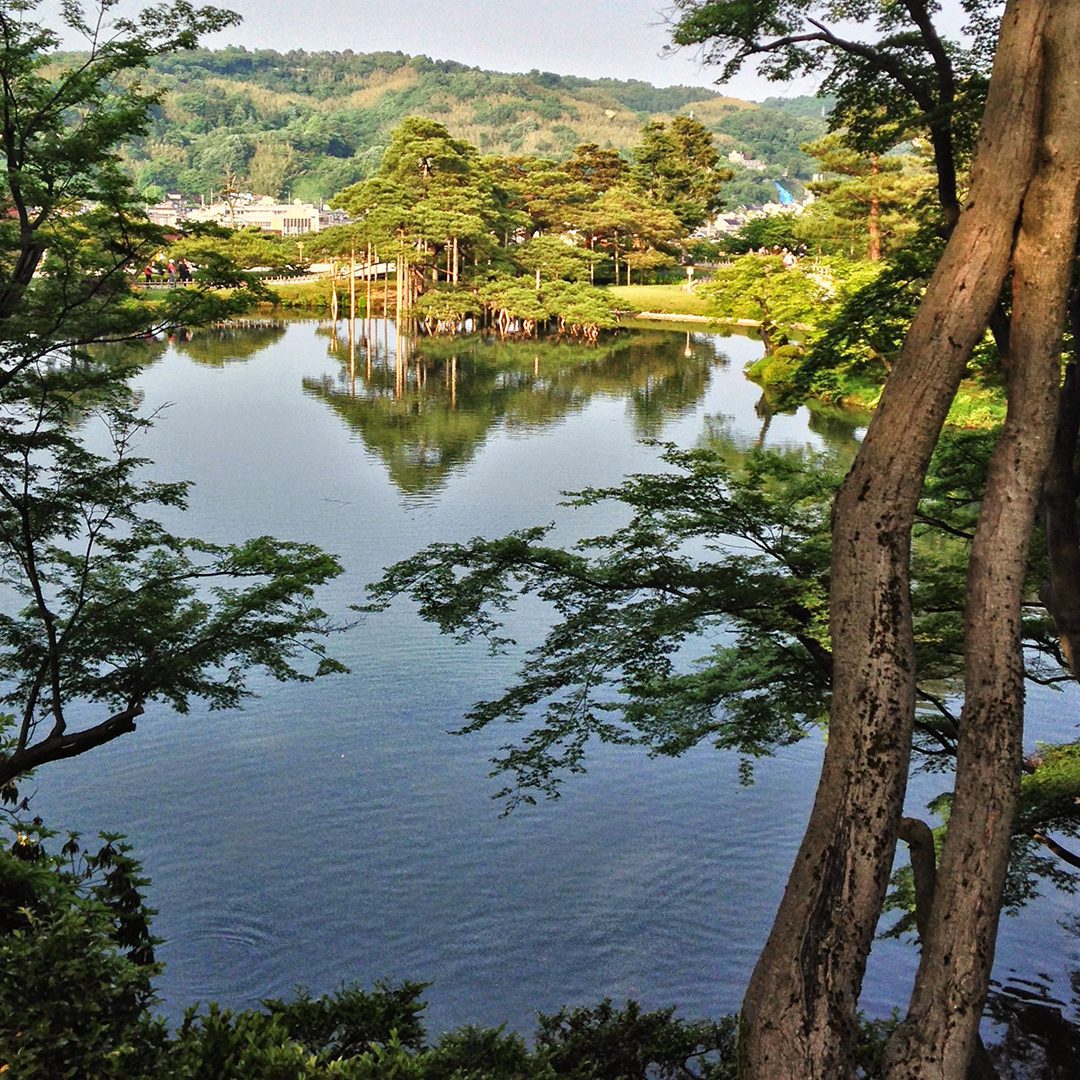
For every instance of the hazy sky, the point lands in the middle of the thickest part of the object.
(618, 38)
(623, 39)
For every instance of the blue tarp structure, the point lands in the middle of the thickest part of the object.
(786, 198)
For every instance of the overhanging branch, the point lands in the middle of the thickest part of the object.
(68, 744)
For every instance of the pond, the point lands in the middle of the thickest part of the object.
(335, 831)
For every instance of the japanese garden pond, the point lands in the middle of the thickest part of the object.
(335, 831)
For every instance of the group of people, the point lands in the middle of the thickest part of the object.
(789, 257)
(172, 272)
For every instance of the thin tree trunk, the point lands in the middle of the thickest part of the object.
(399, 282)
(385, 286)
(920, 841)
(799, 1012)
(874, 249)
(937, 1039)
(352, 290)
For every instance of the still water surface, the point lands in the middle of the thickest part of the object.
(334, 831)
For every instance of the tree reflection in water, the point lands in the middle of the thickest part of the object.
(426, 405)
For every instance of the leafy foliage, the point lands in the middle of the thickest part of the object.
(105, 607)
(608, 1043)
(704, 618)
(117, 610)
(678, 165)
(629, 601)
(864, 333)
(77, 952)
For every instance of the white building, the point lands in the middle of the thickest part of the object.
(264, 212)
(736, 157)
(169, 212)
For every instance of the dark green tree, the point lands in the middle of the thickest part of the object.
(541, 189)
(78, 959)
(431, 201)
(105, 606)
(679, 166)
(866, 204)
(598, 168)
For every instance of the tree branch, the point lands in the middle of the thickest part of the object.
(1061, 852)
(68, 744)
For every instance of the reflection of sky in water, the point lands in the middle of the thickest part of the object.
(333, 831)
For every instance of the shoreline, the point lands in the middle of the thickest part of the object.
(668, 316)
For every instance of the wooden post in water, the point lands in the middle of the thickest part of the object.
(333, 292)
(386, 288)
(400, 361)
(369, 325)
(352, 315)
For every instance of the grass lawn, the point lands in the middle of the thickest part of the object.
(671, 299)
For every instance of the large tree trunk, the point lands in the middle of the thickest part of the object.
(937, 1039)
(799, 1010)
(1061, 592)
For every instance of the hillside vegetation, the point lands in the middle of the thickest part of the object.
(309, 124)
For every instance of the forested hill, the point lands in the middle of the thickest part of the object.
(312, 123)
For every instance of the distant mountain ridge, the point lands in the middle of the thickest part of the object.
(308, 124)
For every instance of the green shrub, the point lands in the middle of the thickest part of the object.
(313, 296)
(78, 957)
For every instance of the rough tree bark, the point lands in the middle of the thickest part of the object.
(1061, 592)
(936, 1040)
(799, 1011)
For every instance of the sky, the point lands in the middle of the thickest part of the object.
(622, 39)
